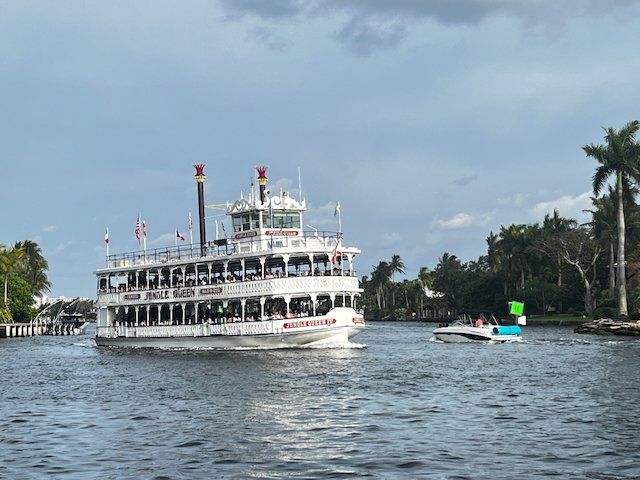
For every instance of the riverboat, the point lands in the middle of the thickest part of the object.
(269, 285)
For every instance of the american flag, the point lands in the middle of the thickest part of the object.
(190, 222)
(138, 229)
(144, 228)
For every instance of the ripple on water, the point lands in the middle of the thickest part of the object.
(404, 407)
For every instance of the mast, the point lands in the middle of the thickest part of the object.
(200, 176)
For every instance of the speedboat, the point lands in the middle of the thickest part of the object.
(468, 329)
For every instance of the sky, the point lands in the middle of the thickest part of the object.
(433, 123)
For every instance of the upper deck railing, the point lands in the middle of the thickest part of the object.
(306, 240)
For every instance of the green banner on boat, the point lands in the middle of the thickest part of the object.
(516, 308)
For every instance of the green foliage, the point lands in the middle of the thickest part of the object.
(33, 267)
(604, 312)
(5, 315)
(20, 299)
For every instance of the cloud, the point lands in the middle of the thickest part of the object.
(363, 36)
(465, 180)
(321, 218)
(567, 206)
(61, 247)
(391, 237)
(461, 12)
(464, 220)
(460, 220)
(49, 228)
(271, 9)
(518, 199)
(272, 41)
(372, 25)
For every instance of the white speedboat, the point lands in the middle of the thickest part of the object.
(468, 329)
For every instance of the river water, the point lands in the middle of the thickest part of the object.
(557, 405)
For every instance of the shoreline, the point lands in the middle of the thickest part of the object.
(535, 321)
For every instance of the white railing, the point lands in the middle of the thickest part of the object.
(202, 330)
(318, 241)
(236, 290)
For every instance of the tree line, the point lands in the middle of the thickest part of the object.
(23, 270)
(556, 266)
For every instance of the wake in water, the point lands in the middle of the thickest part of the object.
(315, 346)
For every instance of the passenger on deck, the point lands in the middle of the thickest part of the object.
(479, 323)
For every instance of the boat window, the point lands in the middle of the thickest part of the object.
(247, 221)
(282, 220)
(237, 224)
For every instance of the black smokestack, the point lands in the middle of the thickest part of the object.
(200, 176)
(262, 181)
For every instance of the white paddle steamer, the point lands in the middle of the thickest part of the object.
(270, 285)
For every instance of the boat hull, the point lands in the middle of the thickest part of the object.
(335, 329)
(270, 341)
(472, 335)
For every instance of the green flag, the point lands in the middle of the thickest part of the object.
(516, 308)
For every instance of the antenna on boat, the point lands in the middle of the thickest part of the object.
(200, 176)
(252, 199)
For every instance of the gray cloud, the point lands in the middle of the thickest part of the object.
(363, 37)
(268, 38)
(444, 11)
(465, 179)
(371, 25)
(270, 9)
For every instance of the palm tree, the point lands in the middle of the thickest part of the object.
(9, 263)
(493, 252)
(603, 223)
(396, 265)
(514, 242)
(379, 279)
(425, 279)
(620, 155)
(447, 278)
(34, 267)
(553, 226)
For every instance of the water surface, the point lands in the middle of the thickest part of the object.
(557, 405)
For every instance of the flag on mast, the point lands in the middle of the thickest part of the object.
(337, 212)
(144, 235)
(337, 251)
(138, 229)
(190, 229)
(106, 237)
(179, 235)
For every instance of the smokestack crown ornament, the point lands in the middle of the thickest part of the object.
(262, 181)
(200, 176)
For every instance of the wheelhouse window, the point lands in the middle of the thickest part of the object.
(247, 221)
(282, 220)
